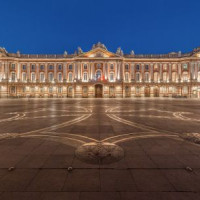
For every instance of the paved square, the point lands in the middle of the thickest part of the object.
(110, 149)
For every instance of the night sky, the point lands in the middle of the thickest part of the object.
(53, 26)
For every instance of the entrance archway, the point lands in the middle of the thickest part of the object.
(127, 91)
(147, 92)
(98, 91)
(156, 92)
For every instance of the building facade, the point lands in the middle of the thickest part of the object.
(100, 73)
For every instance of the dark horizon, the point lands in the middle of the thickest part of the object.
(51, 27)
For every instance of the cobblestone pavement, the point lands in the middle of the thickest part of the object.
(127, 149)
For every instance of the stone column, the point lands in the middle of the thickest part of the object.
(170, 72)
(18, 72)
(55, 71)
(46, 71)
(142, 65)
(151, 71)
(161, 72)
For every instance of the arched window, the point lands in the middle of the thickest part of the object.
(146, 77)
(155, 76)
(174, 76)
(60, 77)
(98, 75)
(33, 77)
(85, 76)
(164, 76)
(137, 77)
(50, 77)
(70, 77)
(127, 77)
(42, 77)
(24, 76)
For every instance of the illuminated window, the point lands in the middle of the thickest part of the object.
(155, 76)
(13, 76)
(24, 76)
(41, 77)
(50, 89)
(85, 77)
(165, 76)
(33, 77)
(185, 66)
(13, 66)
(59, 89)
(146, 77)
(185, 77)
(185, 90)
(50, 77)
(174, 76)
(137, 77)
(59, 77)
(111, 77)
(126, 76)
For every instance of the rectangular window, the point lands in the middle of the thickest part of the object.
(50, 67)
(111, 66)
(70, 67)
(111, 77)
(85, 66)
(185, 66)
(33, 67)
(146, 67)
(13, 66)
(41, 67)
(59, 67)
(126, 67)
(137, 67)
(24, 67)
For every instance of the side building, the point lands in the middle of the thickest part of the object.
(100, 73)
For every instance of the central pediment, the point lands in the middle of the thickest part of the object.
(98, 53)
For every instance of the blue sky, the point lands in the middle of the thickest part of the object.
(146, 26)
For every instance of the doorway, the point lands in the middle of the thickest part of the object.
(98, 91)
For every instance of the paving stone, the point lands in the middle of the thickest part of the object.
(151, 180)
(100, 196)
(116, 180)
(183, 180)
(48, 180)
(159, 196)
(167, 161)
(60, 196)
(17, 180)
(83, 180)
(33, 161)
(20, 196)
